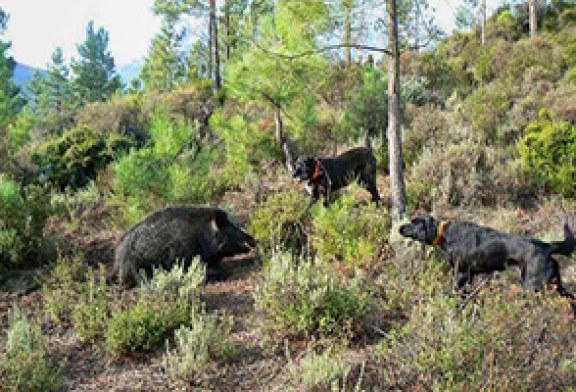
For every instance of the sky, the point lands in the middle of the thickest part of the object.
(37, 27)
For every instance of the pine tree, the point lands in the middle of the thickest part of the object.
(95, 78)
(10, 99)
(51, 100)
(163, 68)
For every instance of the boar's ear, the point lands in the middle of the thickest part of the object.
(221, 219)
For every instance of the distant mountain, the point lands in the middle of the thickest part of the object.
(130, 71)
(23, 74)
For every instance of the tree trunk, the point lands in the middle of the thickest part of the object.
(347, 34)
(483, 22)
(214, 45)
(533, 20)
(397, 188)
(228, 33)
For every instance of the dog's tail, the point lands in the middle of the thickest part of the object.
(565, 247)
(288, 152)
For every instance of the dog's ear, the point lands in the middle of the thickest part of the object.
(430, 227)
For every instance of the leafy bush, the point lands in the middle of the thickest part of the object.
(60, 287)
(344, 232)
(504, 339)
(207, 339)
(548, 149)
(166, 302)
(23, 214)
(74, 159)
(280, 220)
(174, 168)
(26, 366)
(305, 298)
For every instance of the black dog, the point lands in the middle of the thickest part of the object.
(326, 175)
(475, 249)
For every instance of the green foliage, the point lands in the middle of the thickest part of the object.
(367, 108)
(51, 96)
(92, 308)
(164, 67)
(354, 235)
(25, 365)
(304, 298)
(10, 100)
(23, 213)
(278, 221)
(60, 287)
(485, 110)
(95, 78)
(165, 303)
(19, 131)
(245, 146)
(548, 150)
(173, 168)
(195, 347)
(76, 157)
(449, 345)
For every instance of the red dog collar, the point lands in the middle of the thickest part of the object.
(440, 234)
(317, 172)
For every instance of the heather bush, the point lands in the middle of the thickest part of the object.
(548, 150)
(281, 221)
(348, 233)
(320, 371)
(91, 310)
(120, 115)
(459, 175)
(506, 339)
(26, 365)
(197, 346)
(165, 302)
(302, 298)
(60, 287)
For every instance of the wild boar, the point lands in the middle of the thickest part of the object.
(178, 234)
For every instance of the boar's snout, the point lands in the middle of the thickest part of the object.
(235, 240)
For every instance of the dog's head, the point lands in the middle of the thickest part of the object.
(421, 228)
(304, 167)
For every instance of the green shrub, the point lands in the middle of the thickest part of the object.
(60, 287)
(548, 150)
(74, 159)
(304, 298)
(280, 221)
(23, 214)
(166, 302)
(195, 347)
(174, 168)
(91, 311)
(354, 235)
(503, 339)
(25, 365)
